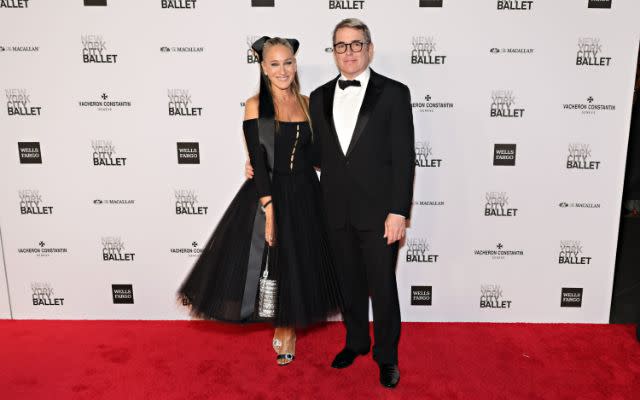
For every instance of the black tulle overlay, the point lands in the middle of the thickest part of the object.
(223, 282)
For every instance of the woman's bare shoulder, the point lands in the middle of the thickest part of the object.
(251, 107)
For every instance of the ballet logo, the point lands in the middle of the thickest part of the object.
(421, 295)
(29, 153)
(496, 205)
(19, 103)
(504, 154)
(491, 296)
(94, 50)
(571, 253)
(590, 53)
(500, 252)
(571, 297)
(600, 3)
(113, 250)
(188, 153)
(180, 104)
(346, 4)
(103, 152)
(418, 251)
(42, 295)
(424, 156)
(430, 106)
(95, 3)
(178, 4)
(192, 251)
(262, 3)
(252, 57)
(423, 51)
(104, 104)
(502, 105)
(14, 3)
(186, 202)
(122, 293)
(579, 157)
(589, 107)
(31, 203)
(42, 250)
(430, 3)
(515, 5)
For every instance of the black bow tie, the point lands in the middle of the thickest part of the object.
(345, 84)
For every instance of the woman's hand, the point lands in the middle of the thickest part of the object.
(270, 226)
(269, 222)
(248, 170)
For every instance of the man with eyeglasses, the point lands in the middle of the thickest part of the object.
(363, 128)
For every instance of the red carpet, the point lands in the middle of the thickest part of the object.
(203, 360)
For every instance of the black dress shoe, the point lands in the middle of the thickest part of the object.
(389, 375)
(346, 357)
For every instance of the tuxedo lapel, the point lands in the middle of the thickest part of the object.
(329, 94)
(371, 96)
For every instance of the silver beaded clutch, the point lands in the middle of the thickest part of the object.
(267, 293)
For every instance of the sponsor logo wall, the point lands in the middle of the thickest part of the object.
(119, 158)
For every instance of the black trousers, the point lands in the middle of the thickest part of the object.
(366, 266)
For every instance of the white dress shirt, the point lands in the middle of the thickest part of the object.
(346, 107)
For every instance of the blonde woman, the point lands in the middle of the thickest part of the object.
(277, 215)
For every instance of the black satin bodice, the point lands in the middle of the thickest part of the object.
(293, 148)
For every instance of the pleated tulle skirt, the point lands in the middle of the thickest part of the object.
(223, 283)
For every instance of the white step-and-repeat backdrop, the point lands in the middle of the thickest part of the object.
(121, 146)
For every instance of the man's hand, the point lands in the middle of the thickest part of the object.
(394, 228)
(248, 170)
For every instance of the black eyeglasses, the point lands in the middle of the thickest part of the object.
(355, 46)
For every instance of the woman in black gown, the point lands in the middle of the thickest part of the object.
(279, 212)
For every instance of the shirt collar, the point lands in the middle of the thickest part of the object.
(363, 77)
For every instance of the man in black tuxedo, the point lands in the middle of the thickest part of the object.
(363, 133)
(363, 126)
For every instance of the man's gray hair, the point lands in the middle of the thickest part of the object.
(354, 23)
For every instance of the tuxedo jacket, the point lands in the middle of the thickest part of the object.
(375, 176)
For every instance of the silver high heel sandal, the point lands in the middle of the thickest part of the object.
(277, 344)
(285, 358)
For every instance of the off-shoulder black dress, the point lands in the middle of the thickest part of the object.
(223, 283)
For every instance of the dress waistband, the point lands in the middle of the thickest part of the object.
(293, 172)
